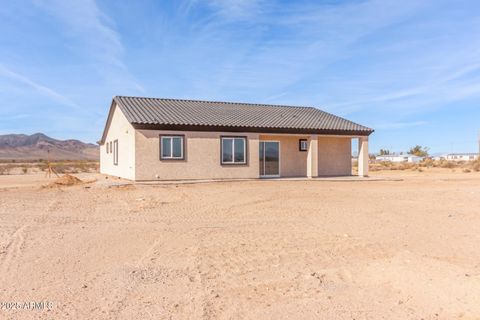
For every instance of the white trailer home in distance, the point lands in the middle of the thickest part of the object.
(461, 156)
(400, 158)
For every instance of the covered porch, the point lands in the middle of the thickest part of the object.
(292, 155)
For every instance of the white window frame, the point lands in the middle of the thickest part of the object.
(301, 142)
(115, 152)
(233, 162)
(279, 160)
(171, 157)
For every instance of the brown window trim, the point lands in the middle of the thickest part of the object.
(234, 163)
(184, 149)
(300, 145)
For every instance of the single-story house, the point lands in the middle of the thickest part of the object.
(171, 139)
(411, 158)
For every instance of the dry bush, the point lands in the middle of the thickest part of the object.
(447, 164)
(476, 165)
(75, 166)
(5, 169)
(428, 163)
(404, 166)
(466, 170)
(59, 166)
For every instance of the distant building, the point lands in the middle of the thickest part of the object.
(460, 157)
(400, 158)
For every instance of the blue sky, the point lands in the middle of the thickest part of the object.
(409, 69)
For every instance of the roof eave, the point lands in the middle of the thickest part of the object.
(174, 127)
(107, 123)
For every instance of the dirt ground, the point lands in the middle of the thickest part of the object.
(406, 248)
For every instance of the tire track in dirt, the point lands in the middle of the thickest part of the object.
(129, 288)
(12, 251)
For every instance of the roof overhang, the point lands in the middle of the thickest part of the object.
(171, 127)
(107, 124)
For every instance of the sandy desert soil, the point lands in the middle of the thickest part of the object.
(405, 249)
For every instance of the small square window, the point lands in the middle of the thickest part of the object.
(171, 148)
(233, 150)
(303, 145)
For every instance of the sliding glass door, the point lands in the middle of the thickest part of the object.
(269, 158)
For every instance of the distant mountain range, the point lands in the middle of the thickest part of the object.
(40, 146)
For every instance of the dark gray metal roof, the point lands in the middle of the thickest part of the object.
(155, 113)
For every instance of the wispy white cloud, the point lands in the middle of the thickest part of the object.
(42, 89)
(237, 9)
(368, 60)
(399, 125)
(96, 37)
(307, 39)
(431, 93)
(414, 68)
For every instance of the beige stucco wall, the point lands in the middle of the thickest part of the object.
(202, 157)
(122, 130)
(334, 156)
(293, 163)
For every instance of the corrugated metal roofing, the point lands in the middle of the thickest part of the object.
(176, 112)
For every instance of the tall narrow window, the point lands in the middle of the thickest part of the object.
(171, 148)
(234, 150)
(303, 145)
(115, 152)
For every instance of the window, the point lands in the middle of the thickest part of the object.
(115, 152)
(234, 150)
(171, 147)
(302, 145)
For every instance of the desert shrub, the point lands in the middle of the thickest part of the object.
(42, 166)
(75, 166)
(427, 163)
(407, 165)
(476, 166)
(466, 170)
(24, 169)
(447, 164)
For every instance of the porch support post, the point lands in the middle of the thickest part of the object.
(312, 157)
(363, 156)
